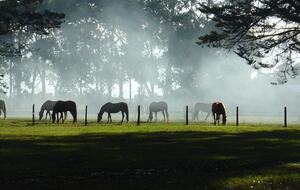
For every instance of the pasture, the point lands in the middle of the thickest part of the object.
(150, 156)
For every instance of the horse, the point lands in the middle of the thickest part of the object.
(48, 106)
(218, 109)
(113, 108)
(203, 107)
(2, 108)
(157, 107)
(64, 106)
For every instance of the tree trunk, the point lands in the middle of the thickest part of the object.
(80, 86)
(43, 79)
(33, 81)
(10, 80)
(18, 77)
(121, 89)
(130, 89)
(109, 89)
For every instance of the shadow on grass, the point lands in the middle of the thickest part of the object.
(164, 160)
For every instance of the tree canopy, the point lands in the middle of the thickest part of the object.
(266, 33)
(24, 16)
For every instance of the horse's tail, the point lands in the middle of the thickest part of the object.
(4, 110)
(127, 113)
(74, 113)
(167, 114)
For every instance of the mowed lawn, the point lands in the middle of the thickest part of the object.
(150, 156)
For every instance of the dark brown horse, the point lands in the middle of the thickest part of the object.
(2, 108)
(201, 107)
(48, 107)
(64, 106)
(158, 107)
(218, 109)
(113, 108)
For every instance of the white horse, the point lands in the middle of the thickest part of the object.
(203, 107)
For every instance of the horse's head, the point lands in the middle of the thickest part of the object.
(99, 118)
(150, 116)
(41, 115)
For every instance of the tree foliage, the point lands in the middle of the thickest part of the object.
(266, 33)
(24, 16)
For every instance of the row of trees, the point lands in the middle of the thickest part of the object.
(103, 44)
(91, 46)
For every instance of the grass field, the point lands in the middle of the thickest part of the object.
(150, 156)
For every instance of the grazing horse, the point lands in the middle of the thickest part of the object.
(2, 108)
(113, 108)
(48, 106)
(218, 109)
(157, 107)
(64, 106)
(203, 107)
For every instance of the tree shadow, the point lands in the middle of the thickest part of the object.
(161, 160)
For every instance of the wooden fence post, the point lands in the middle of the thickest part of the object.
(285, 116)
(85, 120)
(32, 114)
(237, 116)
(139, 114)
(187, 115)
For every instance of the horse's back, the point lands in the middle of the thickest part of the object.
(203, 106)
(158, 106)
(64, 106)
(218, 107)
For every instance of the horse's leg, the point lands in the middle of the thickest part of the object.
(207, 115)
(164, 115)
(214, 118)
(155, 116)
(57, 117)
(122, 117)
(110, 118)
(218, 118)
(62, 117)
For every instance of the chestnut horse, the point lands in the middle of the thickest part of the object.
(218, 109)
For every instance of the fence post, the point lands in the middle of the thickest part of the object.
(237, 116)
(85, 120)
(285, 116)
(139, 114)
(187, 115)
(32, 114)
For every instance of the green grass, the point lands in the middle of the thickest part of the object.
(150, 156)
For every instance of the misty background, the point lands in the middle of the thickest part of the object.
(138, 51)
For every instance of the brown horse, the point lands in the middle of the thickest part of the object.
(48, 107)
(113, 108)
(64, 106)
(218, 109)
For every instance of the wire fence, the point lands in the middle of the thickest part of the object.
(185, 115)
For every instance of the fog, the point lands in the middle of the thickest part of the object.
(120, 51)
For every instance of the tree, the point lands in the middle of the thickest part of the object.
(23, 15)
(266, 33)
(19, 20)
